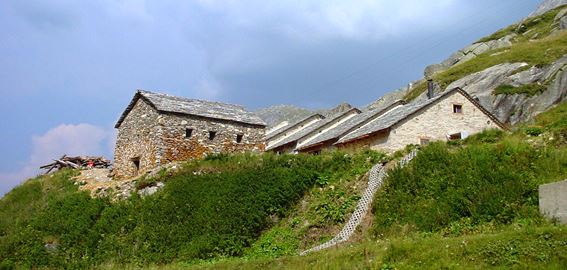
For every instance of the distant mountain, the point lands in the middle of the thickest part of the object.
(278, 113)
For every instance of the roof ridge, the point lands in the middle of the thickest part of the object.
(190, 99)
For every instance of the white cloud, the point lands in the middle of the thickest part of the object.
(314, 20)
(81, 139)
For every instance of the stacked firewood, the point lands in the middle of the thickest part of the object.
(80, 162)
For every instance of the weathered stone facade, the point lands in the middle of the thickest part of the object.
(148, 138)
(434, 122)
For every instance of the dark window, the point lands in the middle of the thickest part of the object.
(456, 136)
(212, 135)
(457, 108)
(239, 138)
(188, 132)
(316, 153)
(136, 162)
(423, 141)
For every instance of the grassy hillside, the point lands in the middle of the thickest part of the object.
(471, 204)
(212, 208)
(533, 44)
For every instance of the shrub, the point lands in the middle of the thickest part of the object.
(480, 182)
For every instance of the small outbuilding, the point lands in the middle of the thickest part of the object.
(158, 128)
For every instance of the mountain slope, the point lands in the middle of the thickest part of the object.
(527, 59)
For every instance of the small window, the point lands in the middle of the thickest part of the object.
(456, 136)
(457, 108)
(188, 132)
(136, 163)
(212, 135)
(423, 141)
(239, 138)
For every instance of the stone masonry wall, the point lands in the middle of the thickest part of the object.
(158, 138)
(175, 146)
(435, 123)
(137, 138)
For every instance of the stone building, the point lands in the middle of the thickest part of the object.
(300, 135)
(157, 128)
(452, 115)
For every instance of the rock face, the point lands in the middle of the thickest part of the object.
(546, 6)
(468, 53)
(276, 114)
(516, 107)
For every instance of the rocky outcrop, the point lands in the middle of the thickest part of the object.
(343, 107)
(278, 113)
(468, 53)
(516, 108)
(546, 6)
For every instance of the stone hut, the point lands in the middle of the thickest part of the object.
(451, 115)
(157, 128)
(301, 135)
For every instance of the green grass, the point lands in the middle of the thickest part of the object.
(317, 218)
(212, 208)
(528, 89)
(539, 26)
(541, 52)
(513, 247)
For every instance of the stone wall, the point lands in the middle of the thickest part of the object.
(436, 122)
(159, 138)
(176, 146)
(138, 136)
(553, 200)
(433, 123)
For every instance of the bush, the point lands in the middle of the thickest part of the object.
(478, 183)
(215, 207)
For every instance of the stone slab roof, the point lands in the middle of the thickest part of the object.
(351, 124)
(397, 115)
(307, 130)
(180, 105)
(291, 125)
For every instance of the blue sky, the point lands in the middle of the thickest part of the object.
(68, 68)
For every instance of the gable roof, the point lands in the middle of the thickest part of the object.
(164, 103)
(399, 114)
(292, 125)
(351, 124)
(307, 130)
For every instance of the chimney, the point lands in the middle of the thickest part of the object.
(429, 88)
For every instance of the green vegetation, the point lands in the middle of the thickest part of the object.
(528, 89)
(514, 247)
(532, 28)
(536, 52)
(211, 208)
(320, 214)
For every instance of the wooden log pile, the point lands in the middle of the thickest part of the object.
(79, 162)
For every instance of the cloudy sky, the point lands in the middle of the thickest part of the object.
(68, 68)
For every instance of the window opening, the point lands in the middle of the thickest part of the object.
(212, 135)
(457, 108)
(456, 136)
(188, 132)
(136, 162)
(239, 138)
